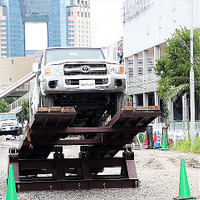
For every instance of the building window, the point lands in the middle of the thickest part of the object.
(4, 54)
(85, 14)
(85, 3)
(78, 1)
(130, 69)
(140, 70)
(78, 13)
(88, 14)
(12, 61)
(130, 62)
(150, 65)
(140, 61)
(81, 14)
(70, 22)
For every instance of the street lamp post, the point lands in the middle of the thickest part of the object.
(192, 93)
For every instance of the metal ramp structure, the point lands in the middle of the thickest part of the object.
(16, 85)
(48, 132)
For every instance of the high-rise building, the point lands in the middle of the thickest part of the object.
(78, 23)
(68, 23)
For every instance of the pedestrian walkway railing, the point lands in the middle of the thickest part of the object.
(16, 105)
(11, 88)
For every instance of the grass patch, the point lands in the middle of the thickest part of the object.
(186, 146)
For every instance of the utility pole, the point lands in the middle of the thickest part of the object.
(192, 92)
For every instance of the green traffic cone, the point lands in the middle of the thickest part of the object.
(164, 144)
(11, 189)
(184, 191)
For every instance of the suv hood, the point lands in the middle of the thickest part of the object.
(84, 61)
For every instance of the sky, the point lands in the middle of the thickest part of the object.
(106, 26)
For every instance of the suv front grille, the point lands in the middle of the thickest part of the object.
(85, 69)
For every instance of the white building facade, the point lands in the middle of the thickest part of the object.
(147, 26)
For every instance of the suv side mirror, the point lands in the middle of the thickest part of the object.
(35, 67)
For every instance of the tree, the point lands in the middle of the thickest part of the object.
(174, 68)
(9, 100)
(24, 114)
(3, 107)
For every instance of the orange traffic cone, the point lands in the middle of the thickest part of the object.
(155, 138)
(145, 140)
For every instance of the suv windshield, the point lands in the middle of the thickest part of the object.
(8, 116)
(75, 53)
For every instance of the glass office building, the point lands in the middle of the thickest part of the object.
(56, 13)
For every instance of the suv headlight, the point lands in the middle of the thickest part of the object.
(113, 69)
(57, 70)
(54, 70)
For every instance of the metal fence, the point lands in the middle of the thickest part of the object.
(182, 125)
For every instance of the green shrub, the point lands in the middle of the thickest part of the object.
(195, 148)
(187, 146)
(141, 137)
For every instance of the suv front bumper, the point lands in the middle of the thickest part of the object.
(77, 84)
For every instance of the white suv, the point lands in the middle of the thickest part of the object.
(80, 77)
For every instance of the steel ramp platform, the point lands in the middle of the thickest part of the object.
(48, 132)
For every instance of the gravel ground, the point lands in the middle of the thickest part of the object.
(158, 172)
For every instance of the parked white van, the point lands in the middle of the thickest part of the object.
(9, 124)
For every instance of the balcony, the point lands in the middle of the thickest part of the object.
(143, 83)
